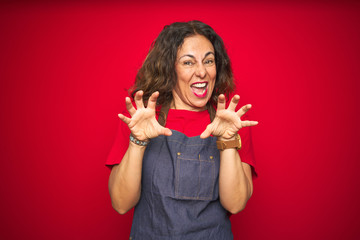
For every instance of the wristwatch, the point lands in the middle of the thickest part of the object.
(236, 143)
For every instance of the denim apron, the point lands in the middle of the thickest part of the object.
(180, 191)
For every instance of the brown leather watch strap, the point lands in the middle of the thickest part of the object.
(236, 143)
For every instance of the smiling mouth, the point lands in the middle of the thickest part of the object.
(199, 89)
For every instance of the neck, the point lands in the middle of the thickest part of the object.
(177, 103)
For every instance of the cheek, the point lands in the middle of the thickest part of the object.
(184, 78)
(182, 75)
(181, 83)
(214, 71)
(213, 75)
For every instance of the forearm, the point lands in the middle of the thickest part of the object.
(235, 183)
(125, 179)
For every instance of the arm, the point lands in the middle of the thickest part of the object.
(235, 181)
(235, 178)
(125, 178)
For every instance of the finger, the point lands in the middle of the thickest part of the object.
(165, 131)
(221, 102)
(139, 99)
(152, 100)
(206, 133)
(243, 110)
(124, 119)
(249, 123)
(233, 103)
(129, 106)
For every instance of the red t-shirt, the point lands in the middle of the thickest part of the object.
(187, 122)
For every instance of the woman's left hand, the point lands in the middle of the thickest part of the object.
(227, 122)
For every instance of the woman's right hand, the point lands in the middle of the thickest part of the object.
(143, 124)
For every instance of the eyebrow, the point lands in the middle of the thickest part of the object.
(192, 56)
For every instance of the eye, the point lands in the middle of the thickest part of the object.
(209, 61)
(188, 63)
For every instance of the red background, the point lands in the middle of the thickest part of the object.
(64, 68)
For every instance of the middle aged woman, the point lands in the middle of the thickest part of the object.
(182, 185)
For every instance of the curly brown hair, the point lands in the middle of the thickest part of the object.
(158, 70)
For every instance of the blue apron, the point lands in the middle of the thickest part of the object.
(180, 191)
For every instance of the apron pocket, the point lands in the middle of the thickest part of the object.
(195, 177)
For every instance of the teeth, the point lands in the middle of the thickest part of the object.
(199, 85)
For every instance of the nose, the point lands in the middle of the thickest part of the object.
(200, 70)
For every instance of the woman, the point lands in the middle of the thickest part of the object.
(181, 184)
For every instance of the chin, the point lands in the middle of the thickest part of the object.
(200, 103)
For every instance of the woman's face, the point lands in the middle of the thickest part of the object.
(196, 73)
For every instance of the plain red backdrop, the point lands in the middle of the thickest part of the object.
(64, 71)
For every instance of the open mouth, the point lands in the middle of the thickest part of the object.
(199, 89)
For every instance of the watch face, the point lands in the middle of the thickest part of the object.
(239, 143)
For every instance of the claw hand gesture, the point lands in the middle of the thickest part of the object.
(143, 124)
(227, 122)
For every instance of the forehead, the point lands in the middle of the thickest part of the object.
(195, 45)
